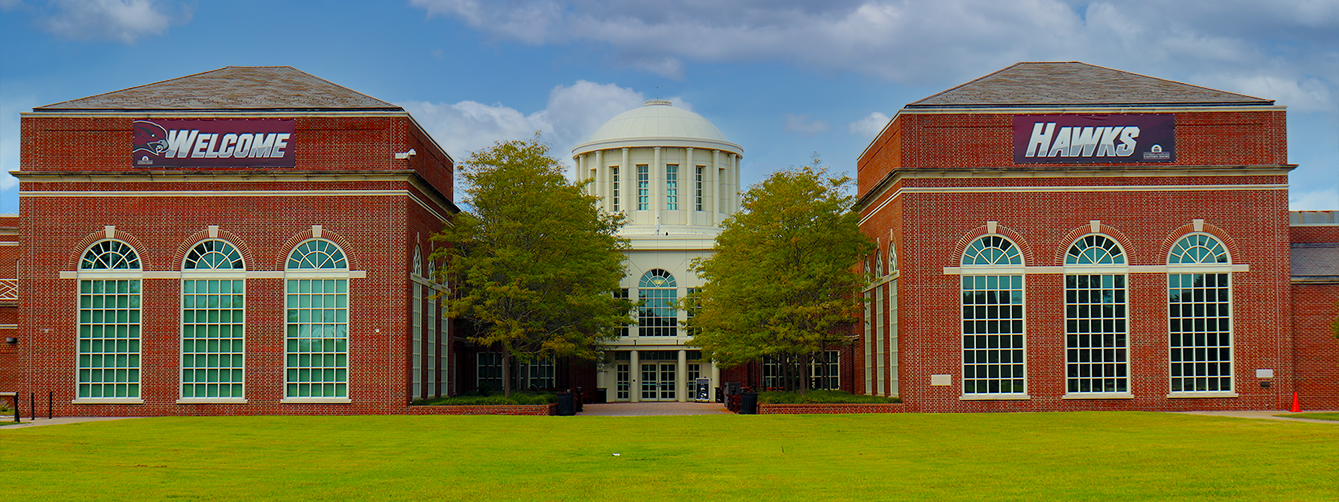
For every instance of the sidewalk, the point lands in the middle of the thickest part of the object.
(7, 421)
(652, 409)
(1264, 415)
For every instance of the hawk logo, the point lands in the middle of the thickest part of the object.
(150, 137)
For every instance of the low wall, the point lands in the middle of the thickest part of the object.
(519, 409)
(828, 409)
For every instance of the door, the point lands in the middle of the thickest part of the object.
(658, 381)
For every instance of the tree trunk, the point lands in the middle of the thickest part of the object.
(804, 365)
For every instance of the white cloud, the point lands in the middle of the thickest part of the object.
(1320, 200)
(571, 115)
(122, 21)
(801, 124)
(10, 107)
(6, 5)
(870, 126)
(1283, 49)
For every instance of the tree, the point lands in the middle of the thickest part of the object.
(534, 261)
(782, 281)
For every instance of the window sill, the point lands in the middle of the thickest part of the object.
(1200, 395)
(994, 397)
(1099, 395)
(315, 400)
(216, 400)
(107, 400)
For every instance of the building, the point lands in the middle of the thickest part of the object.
(248, 240)
(1062, 236)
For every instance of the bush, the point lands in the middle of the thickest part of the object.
(517, 398)
(821, 397)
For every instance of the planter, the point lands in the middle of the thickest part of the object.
(829, 408)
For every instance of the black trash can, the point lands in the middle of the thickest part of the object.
(601, 396)
(566, 404)
(581, 400)
(748, 405)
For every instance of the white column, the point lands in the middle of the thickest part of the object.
(714, 188)
(691, 174)
(681, 377)
(629, 174)
(734, 183)
(657, 186)
(715, 380)
(635, 378)
(604, 184)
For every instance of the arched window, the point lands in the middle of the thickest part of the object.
(1199, 303)
(894, 357)
(892, 258)
(109, 322)
(416, 335)
(657, 316)
(110, 255)
(213, 322)
(879, 312)
(993, 340)
(992, 250)
(317, 334)
(1096, 317)
(317, 254)
(869, 332)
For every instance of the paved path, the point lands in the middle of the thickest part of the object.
(1263, 415)
(7, 422)
(652, 409)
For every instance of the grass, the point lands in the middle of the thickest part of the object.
(820, 397)
(1015, 456)
(493, 399)
(1313, 416)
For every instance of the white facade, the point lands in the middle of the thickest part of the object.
(675, 177)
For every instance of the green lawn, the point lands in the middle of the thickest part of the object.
(1019, 456)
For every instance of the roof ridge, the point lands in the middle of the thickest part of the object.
(1169, 80)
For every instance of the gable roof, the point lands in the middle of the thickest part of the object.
(1055, 84)
(232, 88)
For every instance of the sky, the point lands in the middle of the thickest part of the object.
(783, 78)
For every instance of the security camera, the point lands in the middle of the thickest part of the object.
(405, 155)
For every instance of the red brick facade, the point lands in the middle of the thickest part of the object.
(78, 187)
(934, 181)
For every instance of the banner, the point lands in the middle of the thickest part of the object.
(214, 143)
(1086, 139)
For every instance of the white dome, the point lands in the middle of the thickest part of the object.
(657, 123)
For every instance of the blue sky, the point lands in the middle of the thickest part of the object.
(783, 78)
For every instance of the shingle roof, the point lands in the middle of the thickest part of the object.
(231, 88)
(1075, 83)
(1316, 261)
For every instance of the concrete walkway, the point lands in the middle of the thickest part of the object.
(652, 409)
(7, 422)
(1264, 415)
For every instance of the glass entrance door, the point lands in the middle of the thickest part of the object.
(658, 381)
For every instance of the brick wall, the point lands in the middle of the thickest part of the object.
(264, 217)
(1315, 306)
(933, 218)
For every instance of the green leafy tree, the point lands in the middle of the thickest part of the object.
(782, 281)
(534, 260)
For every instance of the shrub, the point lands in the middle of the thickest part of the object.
(517, 398)
(821, 397)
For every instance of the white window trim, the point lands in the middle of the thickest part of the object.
(336, 273)
(1121, 269)
(962, 361)
(94, 275)
(181, 334)
(1231, 322)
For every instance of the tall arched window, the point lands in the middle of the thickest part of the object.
(213, 320)
(416, 337)
(109, 322)
(894, 368)
(993, 340)
(1096, 322)
(880, 387)
(317, 335)
(869, 331)
(1199, 302)
(657, 316)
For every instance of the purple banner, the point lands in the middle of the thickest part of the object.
(214, 143)
(1085, 139)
